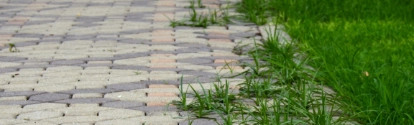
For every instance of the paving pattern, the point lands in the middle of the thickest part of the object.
(98, 62)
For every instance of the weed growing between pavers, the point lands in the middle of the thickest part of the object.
(13, 48)
(280, 90)
(361, 49)
(197, 19)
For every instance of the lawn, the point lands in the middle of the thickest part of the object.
(363, 49)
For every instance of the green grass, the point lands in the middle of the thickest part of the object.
(360, 49)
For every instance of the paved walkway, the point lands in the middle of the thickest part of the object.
(96, 62)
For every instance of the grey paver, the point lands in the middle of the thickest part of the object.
(18, 102)
(85, 100)
(123, 104)
(47, 97)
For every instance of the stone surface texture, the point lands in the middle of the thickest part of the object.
(107, 62)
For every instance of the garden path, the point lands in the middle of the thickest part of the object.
(96, 62)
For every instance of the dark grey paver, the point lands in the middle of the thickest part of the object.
(193, 50)
(197, 79)
(160, 82)
(47, 97)
(68, 62)
(244, 34)
(18, 102)
(11, 59)
(196, 61)
(130, 55)
(104, 90)
(97, 65)
(28, 35)
(126, 87)
(129, 67)
(85, 100)
(23, 44)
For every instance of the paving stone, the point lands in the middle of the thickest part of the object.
(42, 106)
(130, 55)
(12, 121)
(155, 108)
(130, 67)
(224, 61)
(11, 109)
(59, 74)
(199, 122)
(56, 80)
(39, 115)
(82, 110)
(85, 100)
(121, 113)
(19, 93)
(11, 59)
(17, 102)
(198, 79)
(64, 68)
(156, 103)
(163, 113)
(161, 94)
(15, 98)
(162, 86)
(158, 123)
(92, 77)
(127, 86)
(193, 49)
(126, 79)
(195, 67)
(48, 97)
(123, 104)
(68, 62)
(127, 96)
(196, 61)
(100, 90)
(78, 119)
(87, 95)
(36, 123)
(7, 116)
(54, 88)
(7, 70)
(119, 122)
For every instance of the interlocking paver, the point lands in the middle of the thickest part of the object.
(121, 113)
(14, 98)
(54, 88)
(39, 115)
(47, 97)
(110, 61)
(42, 106)
(123, 104)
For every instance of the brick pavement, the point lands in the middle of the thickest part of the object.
(100, 62)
